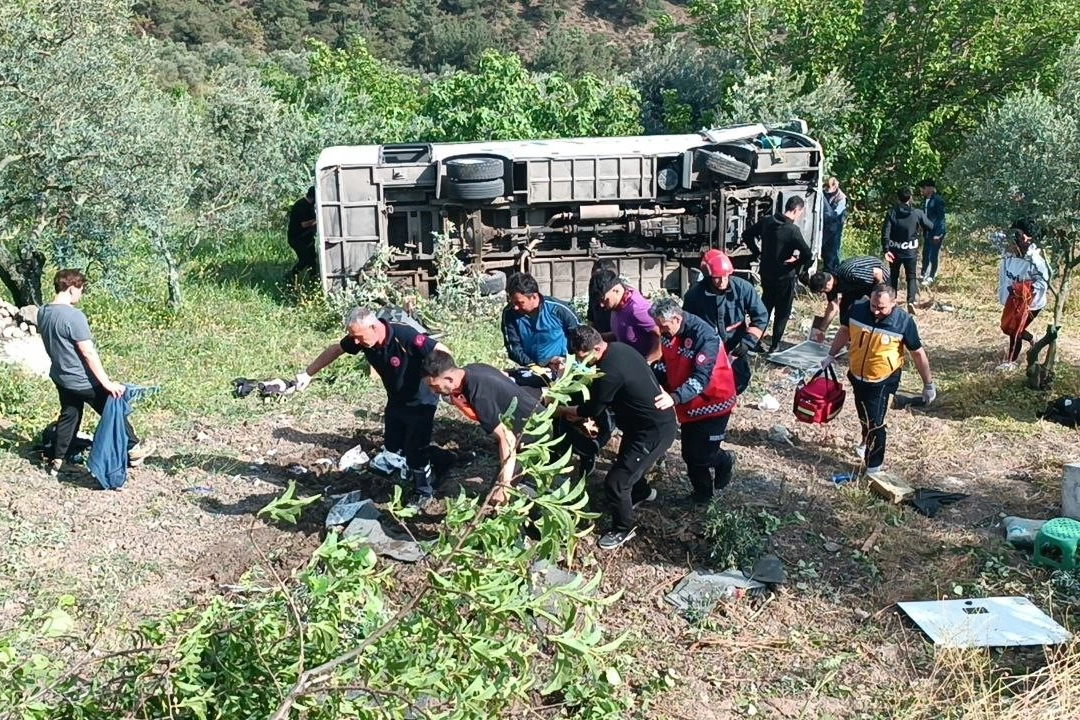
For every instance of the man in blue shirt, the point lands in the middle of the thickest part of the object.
(535, 328)
(934, 209)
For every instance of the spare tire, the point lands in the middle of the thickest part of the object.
(472, 169)
(726, 165)
(481, 190)
(492, 282)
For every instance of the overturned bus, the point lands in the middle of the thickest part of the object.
(652, 204)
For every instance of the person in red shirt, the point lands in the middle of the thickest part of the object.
(698, 377)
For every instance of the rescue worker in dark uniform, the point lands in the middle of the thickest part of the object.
(301, 234)
(784, 255)
(396, 352)
(699, 378)
(900, 243)
(642, 411)
(732, 307)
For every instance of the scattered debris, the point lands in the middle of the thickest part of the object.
(199, 490)
(297, 470)
(890, 487)
(769, 570)
(393, 544)
(871, 541)
(345, 508)
(841, 478)
(1021, 532)
(201, 437)
(944, 307)
(929, 502)
(768, 403)
(353, 458)
(985, 622)
(701, 590)
(805, 356)
(833, 547)
(780, 434)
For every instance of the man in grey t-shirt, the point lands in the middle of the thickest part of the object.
(76, 370)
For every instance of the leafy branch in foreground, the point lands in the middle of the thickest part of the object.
(472, 635)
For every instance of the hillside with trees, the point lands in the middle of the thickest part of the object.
(159, 144)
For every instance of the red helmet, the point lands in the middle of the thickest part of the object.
(716, 264)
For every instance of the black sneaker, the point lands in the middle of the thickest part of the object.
(422, 503)
(647, 499)
(698, 500)
(724, 470)
(614, 539)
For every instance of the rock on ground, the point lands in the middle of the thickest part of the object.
(27, 352)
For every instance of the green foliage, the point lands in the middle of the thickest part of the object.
(734, 535)
(1021, 163)
(502, 101)
(920, 72)
(475, 635)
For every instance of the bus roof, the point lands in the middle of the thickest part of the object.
(570, 147)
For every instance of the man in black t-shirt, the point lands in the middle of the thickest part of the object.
(484, 394)
(843, 287)
(301, 234)
(900, 243)
(395, 351)
(643, 411)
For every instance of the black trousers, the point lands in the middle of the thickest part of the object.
(778, 298)
(306, 258)
(872, 403)
(908, 263)
(625, 483)
(1016, 344)
(72, 404)
(702, 453)
(407, 431)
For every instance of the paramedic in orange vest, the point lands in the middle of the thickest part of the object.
(698, 377)
(877, 333)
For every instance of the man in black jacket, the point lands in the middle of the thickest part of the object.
(900, 243)
(783, 255)
(301, 236)
(732, 307)
(644, 413)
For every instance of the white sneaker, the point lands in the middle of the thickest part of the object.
(928, 280)
(871, 472)
(1006, 367)
(388, 463)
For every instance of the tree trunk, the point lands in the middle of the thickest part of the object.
(172, 270)
(21, 274)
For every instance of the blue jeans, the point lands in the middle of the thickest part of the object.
(930, 252)
(830, 248)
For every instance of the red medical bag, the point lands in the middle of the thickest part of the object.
(821, 399)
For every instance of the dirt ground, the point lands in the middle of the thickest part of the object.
(828, 644)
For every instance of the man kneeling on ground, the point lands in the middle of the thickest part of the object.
(701, 384)
(627, 385)
(483, 393)
(848, 284)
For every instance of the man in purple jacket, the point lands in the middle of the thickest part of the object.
(630, 320)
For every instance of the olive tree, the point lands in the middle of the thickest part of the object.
(214, 168)
(70, 77)
(1024, 162)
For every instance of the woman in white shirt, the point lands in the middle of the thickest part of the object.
(1023, 281)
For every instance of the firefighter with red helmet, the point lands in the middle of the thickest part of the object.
(732, 306)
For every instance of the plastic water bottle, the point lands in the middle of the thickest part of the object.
(841, 478)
